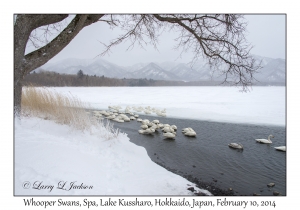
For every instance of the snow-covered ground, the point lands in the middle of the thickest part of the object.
(48, 156)
(262, 105)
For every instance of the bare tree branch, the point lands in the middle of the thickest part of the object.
(42, 55)
(217, 38)
(139, 29)
(220, 40)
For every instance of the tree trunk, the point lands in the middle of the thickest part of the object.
(24, 64)
(18, 77)
(17, 98)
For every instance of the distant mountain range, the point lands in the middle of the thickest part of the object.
(274, 70)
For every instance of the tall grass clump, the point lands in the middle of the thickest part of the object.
(69, 110)
(64, 109)
(48, 104)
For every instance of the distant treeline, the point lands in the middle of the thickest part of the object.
(53, 79)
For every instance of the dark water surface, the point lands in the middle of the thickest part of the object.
(208, 159)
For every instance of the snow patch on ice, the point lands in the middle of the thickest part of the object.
(262, 105)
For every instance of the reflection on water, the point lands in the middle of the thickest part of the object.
(209, 159)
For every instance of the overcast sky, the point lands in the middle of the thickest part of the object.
(265, 32)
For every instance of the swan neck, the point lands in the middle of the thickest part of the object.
(269, 138)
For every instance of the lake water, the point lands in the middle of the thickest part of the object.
(207, 159)
(219, 115)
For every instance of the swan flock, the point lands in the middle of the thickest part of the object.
(169, 131)
(116, 114)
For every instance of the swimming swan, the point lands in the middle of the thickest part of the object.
(147, 131)
(144, 126)
(110, 117)
(169, 135)
(174, 127)
(118, 119)
(265, 141)
(236, 146)
(184, 130)
(190, 133)
(168, 129)
(281, 148)
(132, 117)
(155, 121)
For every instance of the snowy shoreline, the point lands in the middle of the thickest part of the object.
(47, 154)
(47, 151)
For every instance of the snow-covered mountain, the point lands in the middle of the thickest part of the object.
(186, 73)
(168, 65)
(135, 67)
(274, 70)
(96, 66)
(153, 71)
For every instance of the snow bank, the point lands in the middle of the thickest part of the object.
(262, 105)
(49, 155)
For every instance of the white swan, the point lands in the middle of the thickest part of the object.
(281, 148)
(147, 131)
(126, 119)
(155, 127)
(104, 113)
(169, 135)
(147, 112)
(168, 129)
(236, 146)
(159, 125)
(155, 121)
(145, 121)
(174, 127)
(265, 141)
(144, 126)
(98, 115)
(162, 115)
(118, 119)
(150, 124)
(122, 115)
(184, 130)
(190, 133)
(110, 117)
